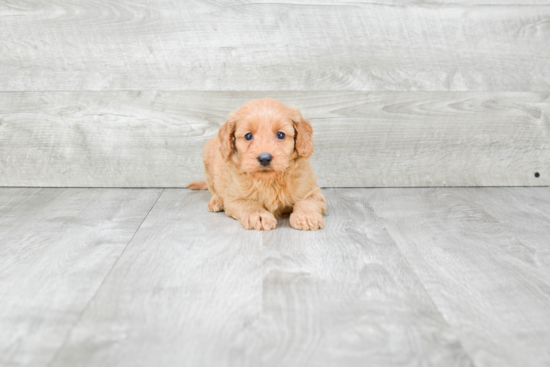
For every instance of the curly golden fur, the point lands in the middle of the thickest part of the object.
(248, 189)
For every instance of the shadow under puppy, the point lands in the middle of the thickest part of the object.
(257, 168)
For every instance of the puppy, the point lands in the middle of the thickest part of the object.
(257, 168)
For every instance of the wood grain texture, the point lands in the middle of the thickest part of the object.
(56, 247)
(442, 277)
(526, 212)
(195, 289)
(346, 296)
(284, 45)
(382, 139)
(187, 292)
(491, 287)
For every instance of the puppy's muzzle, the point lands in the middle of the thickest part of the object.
(265, 159)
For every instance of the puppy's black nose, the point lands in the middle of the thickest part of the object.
(265, 159)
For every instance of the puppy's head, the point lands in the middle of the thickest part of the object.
(263, 136)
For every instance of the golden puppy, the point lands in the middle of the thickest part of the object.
(257, 168)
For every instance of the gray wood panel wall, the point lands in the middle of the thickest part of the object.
(429, 93)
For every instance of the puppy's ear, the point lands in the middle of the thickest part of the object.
(227, 138)
(304, 133)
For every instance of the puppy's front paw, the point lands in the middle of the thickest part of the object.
(260, 221)
(307, 221)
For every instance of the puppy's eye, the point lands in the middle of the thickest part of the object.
(248, 136)
(280, 135)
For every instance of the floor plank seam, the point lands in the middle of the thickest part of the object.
(435, 305)
(69, 332)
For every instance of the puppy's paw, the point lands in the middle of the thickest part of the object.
(215, 204)
(260, 221)
(307, 221)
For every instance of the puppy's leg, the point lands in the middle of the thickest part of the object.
(251, 214)
(308, 213)
(215, 204)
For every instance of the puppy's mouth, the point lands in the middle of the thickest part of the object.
(265, 174)
(265, 169)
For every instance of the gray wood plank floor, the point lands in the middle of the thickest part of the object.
(347, 297)
(491, 287)
(187, 292)
(379, 139)
(56, 247)
(118, 277)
